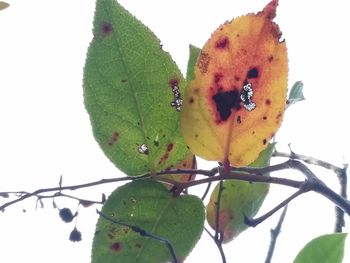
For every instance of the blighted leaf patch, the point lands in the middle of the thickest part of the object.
(133, 93)
(235, 103)
(149, 206)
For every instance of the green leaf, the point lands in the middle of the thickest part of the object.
(194, 54)
(239, 199)
(129, 85)
(3, 5)
(296, 93)
(323, 249)
(150, 206)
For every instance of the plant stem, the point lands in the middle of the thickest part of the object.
(274, 235)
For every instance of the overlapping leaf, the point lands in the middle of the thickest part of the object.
(239, 199)
(149, 206)
(235, 103)
(326, 249)
(132, 93)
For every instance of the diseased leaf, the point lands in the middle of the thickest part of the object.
(194, 53)
(148, 205)
(3, 5)
(296, 93)
(238, 199)
(132, 92)
(188, 163)
(236, 102)
(323, 249)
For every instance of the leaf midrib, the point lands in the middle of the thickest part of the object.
(126, 68)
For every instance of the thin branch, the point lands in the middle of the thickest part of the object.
(339, 213)
(143, 233)
(27, 195)
(254, 222)
(218, 244)
(340, 172)
(207, 189)
(274, 235)
(244, 174)
(309, 160)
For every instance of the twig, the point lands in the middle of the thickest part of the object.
(340, 172)
(244, 174)
(254, 222)
(143, 233)
(206, 191)
(339, 213)
(309, 160)
(70, 187)
(274, 235)
(218, 244)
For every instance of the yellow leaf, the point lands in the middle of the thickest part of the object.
(235, 103)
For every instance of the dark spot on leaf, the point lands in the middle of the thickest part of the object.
(191, 100)
(196, 135)
(270, 58)
(116, 246)
(124, 202)
(124, 80)
(225, 102)
(156, 143)
(169, 148)
(237, 35)
(138, 245)
(114, 138)
(126, 230)
(174, 82)
(239, 119)
(203, 62)
(237, 78)
(268, 102)
(253, 73)
(264, 118)
(264, 141)
(222, 43)
(106, 28)
(217, 77)
(287, 102)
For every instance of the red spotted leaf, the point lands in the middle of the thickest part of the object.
(235, 103)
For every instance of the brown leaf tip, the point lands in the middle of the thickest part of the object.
(270, 9)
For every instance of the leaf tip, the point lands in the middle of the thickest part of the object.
(270, 9)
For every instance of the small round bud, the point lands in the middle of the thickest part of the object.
(66, 215)
(75, 235)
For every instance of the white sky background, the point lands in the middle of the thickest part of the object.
(45, 130)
